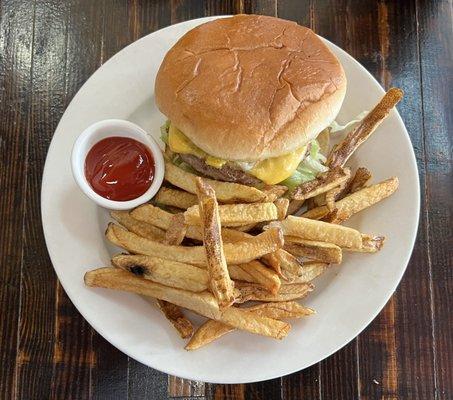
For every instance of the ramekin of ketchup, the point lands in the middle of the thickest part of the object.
(117, 164)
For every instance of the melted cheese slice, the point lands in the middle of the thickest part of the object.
(271, 171)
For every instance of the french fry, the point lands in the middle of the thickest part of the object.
(176, 231)
(236, 253)
(320, 251)
(212, 330)
(156, 216)
(361, 178)
(166, 272)
(370, 244)
(175, 198)
(245, 228)
(342, 151)
(236, 214)
(219, 278)
(309, 271)
(254, 292)
(283, 263)
(323, 183)
(203, 303)
(357, 201)
(282, 206)
(273, 192)
(256, 272)
(309, 229)
(174, 314)
(225, 191)
(138, 227)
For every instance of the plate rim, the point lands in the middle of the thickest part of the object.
(265, 376)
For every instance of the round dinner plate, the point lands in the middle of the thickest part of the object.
(346, 298)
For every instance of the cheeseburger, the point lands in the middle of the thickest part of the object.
(246, 98)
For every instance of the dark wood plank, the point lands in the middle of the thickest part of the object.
(37, 311)
(262, 7)
(436, 57)
(73, 355)
(15, 79)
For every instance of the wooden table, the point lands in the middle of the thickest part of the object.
(48, 49)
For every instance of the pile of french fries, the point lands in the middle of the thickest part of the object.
(238, 255)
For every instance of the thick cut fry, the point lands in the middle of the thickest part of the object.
(323, 183)
(236, 214)
(330, 198)
(357, 201)
(320, 251)
(202, 303)
(219, 279)
(236, 253)
(175, 198)
(273, 192)
(310, 271)
(370, 244)
(282, 208)
(138, 227)
(283, 263)
(166, 272)
(245, 228)
(256, 272)
(319, 231)
(176, 317)
(361, 178)
(212, 330)
(176, 231)
(225, 191)
(253, 292)
(156, 216)
(342, 151)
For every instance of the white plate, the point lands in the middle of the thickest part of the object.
(347, 298)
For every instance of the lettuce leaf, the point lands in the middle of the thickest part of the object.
(336, 127)
(164, 131)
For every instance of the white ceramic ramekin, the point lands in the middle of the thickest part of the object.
(107, 128)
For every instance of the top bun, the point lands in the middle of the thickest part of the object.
(250, 87)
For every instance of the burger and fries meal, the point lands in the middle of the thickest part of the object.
(255, 194)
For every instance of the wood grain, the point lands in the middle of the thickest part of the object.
(15, 79)
(436, 71)
(38, 296)
(49, 48)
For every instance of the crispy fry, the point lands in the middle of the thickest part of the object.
(212, 330)
(219, 279)
(156, 216)
(174, 314)
(342, 151)
(282, 208)
(175, 198)
(225, 191)
(166, 272)
(370, 244)
(176, 231)
(357, 201)
(361, 178)
(319, 231)
(236, 214)
(245, 228)
(253, 292)
(236, 253)
(138, 227)
(273, 192)
(320, 251)
(202, 303)
(309, 271)
(322, 184)
(256, 272)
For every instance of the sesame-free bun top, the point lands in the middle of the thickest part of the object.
(250, 87)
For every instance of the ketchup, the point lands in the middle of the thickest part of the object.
(119, 168)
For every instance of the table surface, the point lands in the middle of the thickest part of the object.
(48, 49)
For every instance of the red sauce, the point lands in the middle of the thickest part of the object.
(119, 168)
